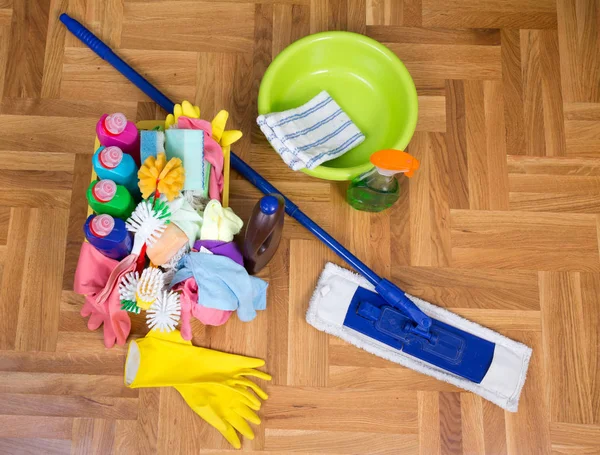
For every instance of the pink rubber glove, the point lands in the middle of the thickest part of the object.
(186, 311)
(213, 153)
(97, 277)
(119, 321)
(190, 307)
(99, 318)
(91, 275)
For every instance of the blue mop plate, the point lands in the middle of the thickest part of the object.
(444, 346)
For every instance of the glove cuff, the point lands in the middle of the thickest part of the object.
(132, 364)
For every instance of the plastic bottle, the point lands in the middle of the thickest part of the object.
(110, 163)
(105, 196)
(115, 129)
(378, 189)
(108, 235)
(263, 232)
(169, 243)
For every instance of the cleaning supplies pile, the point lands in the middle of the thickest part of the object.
(160, 240)
(311, 134)
(368, 311)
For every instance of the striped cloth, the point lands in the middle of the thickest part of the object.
(311, 134)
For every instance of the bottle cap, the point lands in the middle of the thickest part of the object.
(115, 123)
(104, 190)
(390, 162)
(269, 205)
(111, 157)
(102, 225)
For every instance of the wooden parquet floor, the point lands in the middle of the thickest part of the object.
(500, 225)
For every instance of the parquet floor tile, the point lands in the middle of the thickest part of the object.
(501, 224)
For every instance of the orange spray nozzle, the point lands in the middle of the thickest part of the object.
(395, 160)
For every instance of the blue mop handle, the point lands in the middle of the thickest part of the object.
(106, 53)
(388, 290)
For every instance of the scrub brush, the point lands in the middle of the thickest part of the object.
(130, 306)
(148, 221)
(149, 287)
(127, 291)
(164, 313)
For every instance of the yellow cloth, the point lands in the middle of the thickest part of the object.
(214, 384)
(220, 223)
(157, 173)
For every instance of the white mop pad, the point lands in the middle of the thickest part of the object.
(501, 385)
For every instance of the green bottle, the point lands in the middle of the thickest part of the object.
(105, 196)
(378, 189)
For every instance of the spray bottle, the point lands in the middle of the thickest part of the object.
(378, 189)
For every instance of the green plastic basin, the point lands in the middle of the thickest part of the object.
(366, 79)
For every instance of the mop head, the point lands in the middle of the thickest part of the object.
(503, 381)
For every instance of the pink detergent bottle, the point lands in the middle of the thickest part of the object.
(115, 129)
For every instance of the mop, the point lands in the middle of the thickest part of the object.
(373, 313)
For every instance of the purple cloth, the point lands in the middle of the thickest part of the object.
(221, 248)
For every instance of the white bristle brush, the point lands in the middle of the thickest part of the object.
(128, 286)
(149, 287)
(164, 313)
(148, 221)
(127, 292)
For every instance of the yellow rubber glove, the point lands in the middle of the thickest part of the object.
(212, 383)
(227, 408)
(222, 137)
(218, 124)
(160, 361)
(186, 109)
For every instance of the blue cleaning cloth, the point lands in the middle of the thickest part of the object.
(223, 284)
